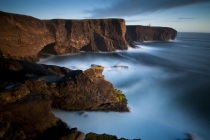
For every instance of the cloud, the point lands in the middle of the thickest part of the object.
(126, 8)
(185, 18)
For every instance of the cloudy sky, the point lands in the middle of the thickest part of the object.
(183, 15)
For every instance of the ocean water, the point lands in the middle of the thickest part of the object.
(167, 85)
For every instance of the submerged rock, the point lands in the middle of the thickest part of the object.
(119, 67)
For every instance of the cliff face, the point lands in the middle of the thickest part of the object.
(87, 35)
(22, 36)
(147, 33)
(25, 37)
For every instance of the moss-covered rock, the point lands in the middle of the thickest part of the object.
(94, 136)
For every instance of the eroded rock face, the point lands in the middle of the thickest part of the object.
(88, 35)
(89, 90)
(28, 90)
(147, 33)
(68, 89)
(24, 37)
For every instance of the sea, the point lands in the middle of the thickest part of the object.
(167, 85)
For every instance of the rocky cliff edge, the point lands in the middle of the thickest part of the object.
(24, 37)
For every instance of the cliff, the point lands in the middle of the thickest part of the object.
(24, 37)
(147, 33)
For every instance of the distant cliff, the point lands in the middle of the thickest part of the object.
(25, 37)
(147, 33)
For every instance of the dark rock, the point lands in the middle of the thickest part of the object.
(120, 67)
(30, 118)
(190, 136)
(94, 136)
(26, 102)
(13, 93)
(95, 65)
(147, 33)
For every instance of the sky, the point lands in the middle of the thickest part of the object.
(182, 15)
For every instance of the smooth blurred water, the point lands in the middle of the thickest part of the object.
(167, 85)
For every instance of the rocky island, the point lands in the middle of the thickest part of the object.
(29, 90)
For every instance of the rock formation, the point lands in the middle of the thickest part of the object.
(147, 33)
(28, 90)
(68, 89)
(30, 117)
(24, 37)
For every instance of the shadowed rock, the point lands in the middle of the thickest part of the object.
(30, 118)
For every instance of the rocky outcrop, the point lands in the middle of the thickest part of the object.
(28, 90)
(24, 37)
(147, 33)
(68, 89)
